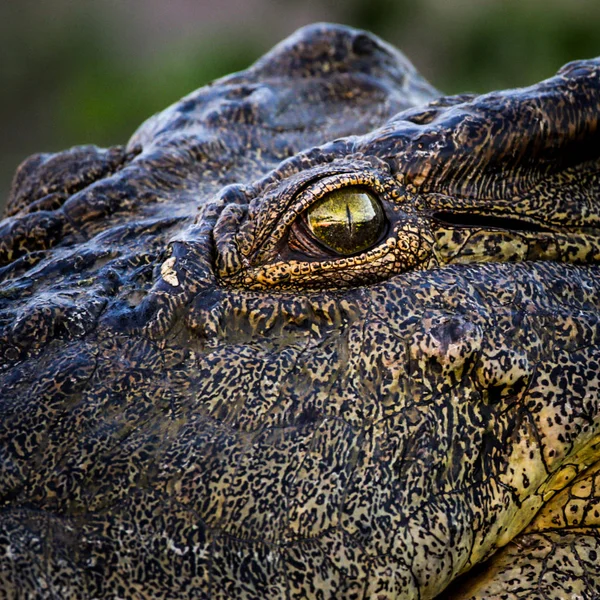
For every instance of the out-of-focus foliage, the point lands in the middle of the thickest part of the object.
(78, 71)
(481, 46)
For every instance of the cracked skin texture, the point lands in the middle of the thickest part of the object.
(193, 406)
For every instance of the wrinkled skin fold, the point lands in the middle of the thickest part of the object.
(200, 401)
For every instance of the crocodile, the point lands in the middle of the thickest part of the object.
(316, 331)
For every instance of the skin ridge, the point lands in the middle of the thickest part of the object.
(191, 407)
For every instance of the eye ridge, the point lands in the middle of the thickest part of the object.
(359, 229)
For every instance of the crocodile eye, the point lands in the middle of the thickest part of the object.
(347, 220)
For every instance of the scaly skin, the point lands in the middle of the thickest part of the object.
(194, 407)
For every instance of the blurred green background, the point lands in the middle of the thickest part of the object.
(90, 71)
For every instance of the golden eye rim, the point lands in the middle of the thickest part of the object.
(273, 245)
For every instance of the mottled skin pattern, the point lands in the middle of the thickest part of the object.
(192, 408)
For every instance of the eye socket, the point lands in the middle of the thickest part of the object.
(347, 220)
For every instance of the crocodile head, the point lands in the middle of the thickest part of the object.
(316, 332)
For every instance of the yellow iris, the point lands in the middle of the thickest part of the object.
(347, 220)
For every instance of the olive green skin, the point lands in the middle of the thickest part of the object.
(191, 408)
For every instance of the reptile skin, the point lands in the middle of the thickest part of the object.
(194, 406)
